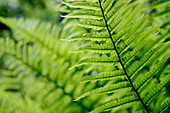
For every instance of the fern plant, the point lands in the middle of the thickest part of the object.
(35, 70)
(120, 35)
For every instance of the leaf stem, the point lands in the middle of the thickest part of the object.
(121, 60)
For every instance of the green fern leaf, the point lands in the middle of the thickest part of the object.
(163, 106)
(104, 76)
(156, 89)
(85, 5)
(107, 89)
(92, 36)
(115, 103)
(98, 61)
(134, 43)
(151, 73)
(85, 15)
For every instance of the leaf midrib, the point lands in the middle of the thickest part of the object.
(140, 99)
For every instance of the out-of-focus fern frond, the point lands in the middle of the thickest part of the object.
(35, 63)
(11, 102)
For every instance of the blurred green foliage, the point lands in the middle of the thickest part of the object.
(44, 10)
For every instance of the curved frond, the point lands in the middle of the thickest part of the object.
(115, 103)
(163, 106)
(98, 61)
(123, 31)
(107, 89)
(156, 89)
(36, 68)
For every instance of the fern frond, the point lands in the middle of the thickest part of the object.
(11, 102)
(115, 103)
(112, 12)
(108, 47)
(156, 89)
(145, 78)
(84, 15)
(107, 89)
(104, 76)
(86, 5)
(91, 36)
(36, 66)
(37, 61)
(25, 32)
(139, 64)
(99, 48)
(122, 32)
(163, 106)
(164, 12)
(98, 61)
(158, 3)
(95, 24)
